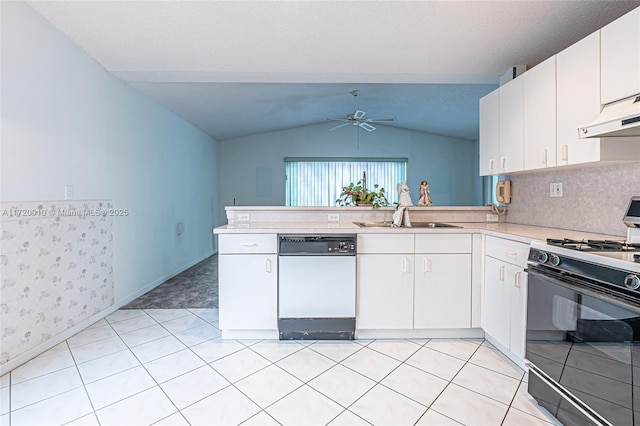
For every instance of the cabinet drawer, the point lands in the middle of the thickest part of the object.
(247, 243)
(385, 243)
(443, 243)
(506, 250)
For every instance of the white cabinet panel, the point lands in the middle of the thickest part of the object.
(385, 291)
(443, 243)
(620, 63)
(518, 315)
(540, 116)
(489, 133)
(504, 306)
(442, 291)
(385, 243)
(578, 100)
(247, 243)
(248, 289)
(496, 301)
(507, 250)
(511, 135)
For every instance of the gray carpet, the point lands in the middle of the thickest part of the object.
(197, 287)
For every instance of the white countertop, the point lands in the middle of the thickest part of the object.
(513, 231)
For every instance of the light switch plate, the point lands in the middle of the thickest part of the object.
(68, 192)
(243, 217)
(555, 189)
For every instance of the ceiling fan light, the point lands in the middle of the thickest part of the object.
(368, 127)
(359, 115)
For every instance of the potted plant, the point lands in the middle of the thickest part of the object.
(356, 194)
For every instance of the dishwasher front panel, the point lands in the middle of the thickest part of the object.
(317, 287)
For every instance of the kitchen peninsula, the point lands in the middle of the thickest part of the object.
(410, 282)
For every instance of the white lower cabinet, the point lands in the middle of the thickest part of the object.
(385, 291)
(399, 289)
(504, 306)
(442, 294)
(248, 282)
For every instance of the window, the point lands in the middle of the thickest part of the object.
(319, 181)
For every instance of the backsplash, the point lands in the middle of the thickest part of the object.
(55, 269)
(594, 198)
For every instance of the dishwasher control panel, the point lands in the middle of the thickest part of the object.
(317, 245)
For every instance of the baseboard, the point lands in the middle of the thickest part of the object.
(452, 333)
(61, 337)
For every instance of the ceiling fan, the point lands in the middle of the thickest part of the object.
(358, 117)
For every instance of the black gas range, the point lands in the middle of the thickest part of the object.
(595, 245)
(583, 327)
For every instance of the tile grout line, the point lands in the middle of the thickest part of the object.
(84, 386)
(449, 382)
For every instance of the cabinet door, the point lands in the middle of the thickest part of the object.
(489, 133)
(511, 127)
(248, 289)
(540, 115)
(518, 290)
(385, 291)
(578, 100)
(620, 63)
(442, 291)
(496, 302)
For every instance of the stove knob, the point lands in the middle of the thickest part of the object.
(554, 260)
(542, 257)
(632, 281)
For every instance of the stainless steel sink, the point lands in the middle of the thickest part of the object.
(433, 225)
(374, 224)
(413, 225)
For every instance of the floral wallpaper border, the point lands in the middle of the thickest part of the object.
(55, 269)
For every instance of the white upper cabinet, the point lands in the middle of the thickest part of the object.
(540, 115)
(489, 133)
(511, 127)
(621, 58)
(578, 100)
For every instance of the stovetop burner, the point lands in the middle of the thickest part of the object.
(594, 245)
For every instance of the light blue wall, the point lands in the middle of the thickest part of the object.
(66, 121)
(449, 165)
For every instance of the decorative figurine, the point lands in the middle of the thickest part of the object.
(425, 195)
(404, 198)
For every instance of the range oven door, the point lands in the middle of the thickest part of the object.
(584, 350)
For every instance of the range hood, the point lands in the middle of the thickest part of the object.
(620, 118)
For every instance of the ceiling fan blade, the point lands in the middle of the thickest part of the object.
(379, 120)
(368, 127)
(338, 126)
(338, 119)
(359, 115)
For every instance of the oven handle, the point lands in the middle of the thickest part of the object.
(579, 286)
(540, 374)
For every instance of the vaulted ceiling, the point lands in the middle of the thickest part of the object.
(235, 68)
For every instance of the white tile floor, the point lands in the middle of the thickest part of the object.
(170, 367)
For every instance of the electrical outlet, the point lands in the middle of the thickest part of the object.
(68, 192)
(555, 189)
(492, 218)
(243, 217)
(333, 217)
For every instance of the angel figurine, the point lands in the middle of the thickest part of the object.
(404, 198)
(425, 195)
